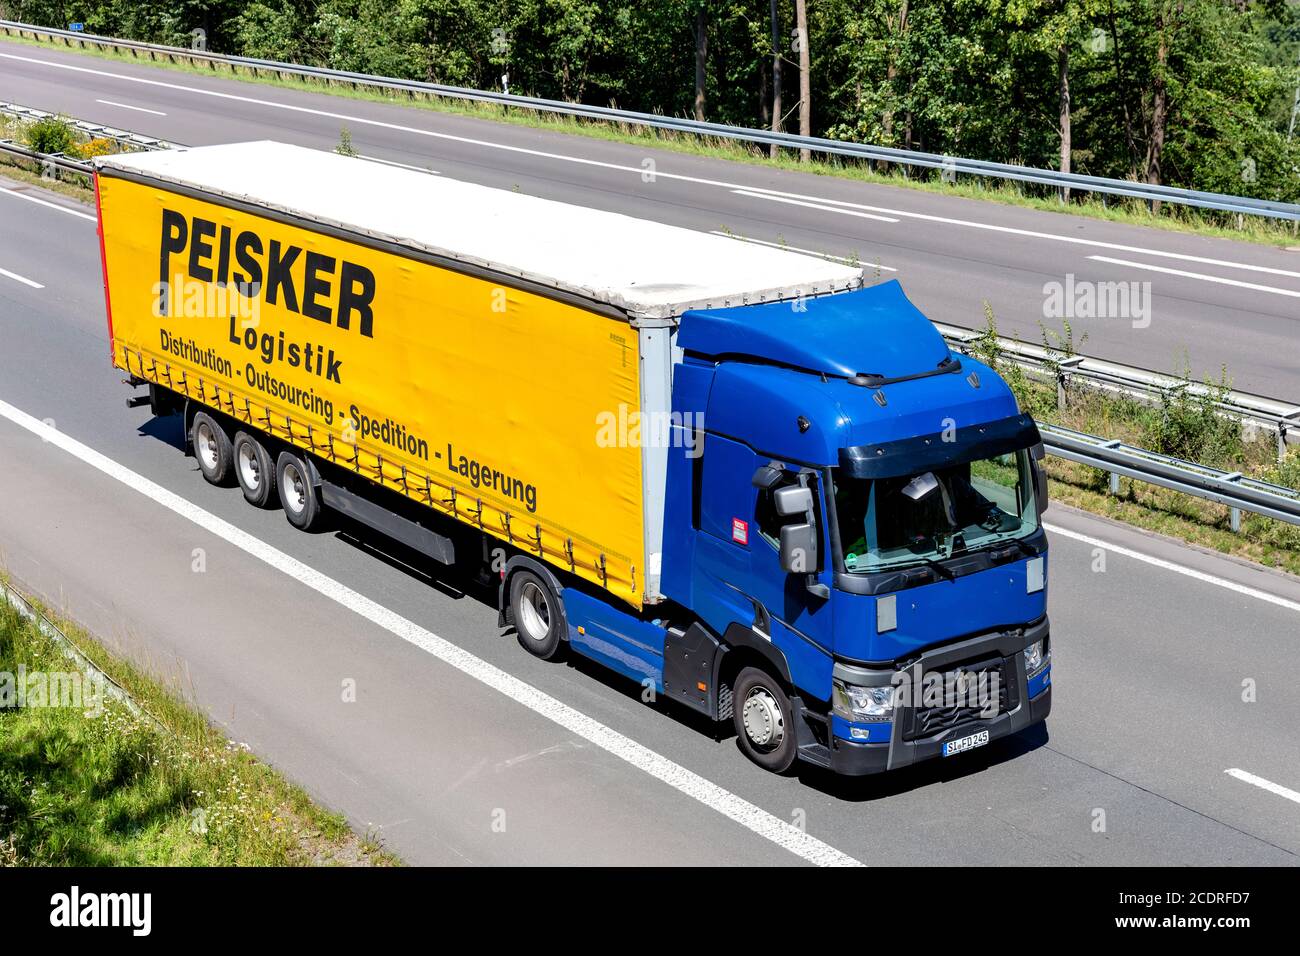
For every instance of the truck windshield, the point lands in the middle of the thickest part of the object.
(891, 522)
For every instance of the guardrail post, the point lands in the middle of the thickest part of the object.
(1234, 514)
(1283, 426)
(1063, 369)
(1114, 475)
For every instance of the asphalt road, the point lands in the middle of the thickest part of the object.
(448, 763)
(1210, 302)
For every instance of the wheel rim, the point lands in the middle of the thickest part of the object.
(295, 489)
(250, 470)
(205, 446)
(764, 724)
(534, 612)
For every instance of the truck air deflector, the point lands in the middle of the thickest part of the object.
(875, 332)
(908, 456)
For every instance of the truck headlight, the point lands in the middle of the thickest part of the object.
(853, 702)
(1036, 657)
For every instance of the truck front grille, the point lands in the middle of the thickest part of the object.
(922, 722)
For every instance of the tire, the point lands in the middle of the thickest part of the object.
(254, 470)
(538, 615)
(764, 720)
(298, 496)
(211, 447)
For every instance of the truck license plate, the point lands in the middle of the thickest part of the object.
(962, 744)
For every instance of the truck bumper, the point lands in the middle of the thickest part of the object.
(909, 740)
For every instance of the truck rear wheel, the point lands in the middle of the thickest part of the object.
(297, 493)
(254, 470)
(211, 448)
(764, 720)
(537, 614)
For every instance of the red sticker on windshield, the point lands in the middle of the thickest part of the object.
(739, 531)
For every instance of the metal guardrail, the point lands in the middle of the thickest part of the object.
(47, 161)
(950, 165)
(52, 163)
(1233, 489)
(120, 136)
(1270, 414)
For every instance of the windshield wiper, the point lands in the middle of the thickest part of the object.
(938, 568)
(1018, 543)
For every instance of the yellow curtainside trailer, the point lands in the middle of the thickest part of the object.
(478, 399)
(489, 356)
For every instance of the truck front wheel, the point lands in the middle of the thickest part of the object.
(254, 470)
(537, 614)
(211, 448)
(764, 720)
(297, 493)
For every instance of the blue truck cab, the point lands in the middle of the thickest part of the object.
(854, 564)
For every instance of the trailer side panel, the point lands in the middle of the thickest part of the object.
(484, 401)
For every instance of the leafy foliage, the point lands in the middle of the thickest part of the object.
(975, 78)
(51, 135)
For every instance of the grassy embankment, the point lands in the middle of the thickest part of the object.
(89, 783)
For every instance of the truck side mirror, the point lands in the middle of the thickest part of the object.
(799, 548)
(793, 500)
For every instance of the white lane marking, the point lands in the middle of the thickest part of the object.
(1197, 275)
(1031, 233)
(128, 106)
(806, 252)
(1177, 568)
(735, 808)
(680, 177)
(25, 281)
(389, 162)
(1263, 784)
(813, 205)
(45, 202)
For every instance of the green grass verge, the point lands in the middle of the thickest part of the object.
(95, 785)
(1114, 209)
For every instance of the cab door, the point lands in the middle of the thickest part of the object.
(738, 578)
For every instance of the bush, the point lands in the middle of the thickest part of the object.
(1190, 426)
(52, 135)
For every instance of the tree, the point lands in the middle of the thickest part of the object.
(777, 116)
(805, 80)
(1192, 93)
(898, 29)
(701, 58)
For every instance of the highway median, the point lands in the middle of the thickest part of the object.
(1178, 421)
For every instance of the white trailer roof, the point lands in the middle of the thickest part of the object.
(646, 268)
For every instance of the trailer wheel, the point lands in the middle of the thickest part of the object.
(211, 448)
(764, 720)
(538, 615)
(254, 470)
(297, 494)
